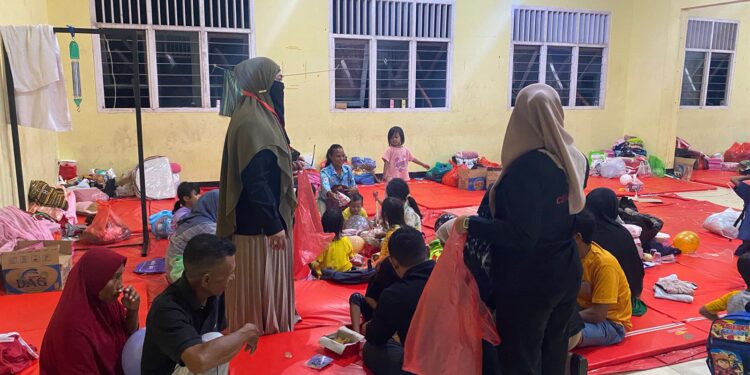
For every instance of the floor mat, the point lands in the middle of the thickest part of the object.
(651, 186)
(286, 354)
(715, 178)
(428, 194)
(652, 334)
(322, 303)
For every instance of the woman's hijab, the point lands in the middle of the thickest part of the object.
(613, 237)
(537, 124)
(254, 127)
(81, 316)
(204, 212)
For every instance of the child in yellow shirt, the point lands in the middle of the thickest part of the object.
(355, 207)
(337, 255)
(732, 302)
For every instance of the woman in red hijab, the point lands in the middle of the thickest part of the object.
(89, 328)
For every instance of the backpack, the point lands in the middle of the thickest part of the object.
(728, 346)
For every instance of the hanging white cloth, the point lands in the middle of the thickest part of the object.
(38, 79)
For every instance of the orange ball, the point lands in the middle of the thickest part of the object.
(687, 242)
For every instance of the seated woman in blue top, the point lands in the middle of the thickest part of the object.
(335, 177)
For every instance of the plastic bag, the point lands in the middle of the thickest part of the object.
(106, 228)
(309, 239)
(613, 168)
(657, 166)
(450, 302)
(738, 152)
(437, 172)
(451, 178)
(722, 223)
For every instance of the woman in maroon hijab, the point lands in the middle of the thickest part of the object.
(89, 328)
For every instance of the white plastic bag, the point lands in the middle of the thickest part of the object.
(722, 223)
(613, 168)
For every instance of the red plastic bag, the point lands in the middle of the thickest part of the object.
(446, 332)
(309, 239)
(738, 152)
(487, 163)
(106, 228)
(451, 178)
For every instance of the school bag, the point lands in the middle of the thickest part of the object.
(728, 346)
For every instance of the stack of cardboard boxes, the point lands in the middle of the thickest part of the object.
(477, 179)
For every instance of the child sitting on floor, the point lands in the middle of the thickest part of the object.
(396, 157)
(363, 306)
(187, 195)
(355, 206)
(398, 188)
(337, 255)
(732, 302)
(604, 298)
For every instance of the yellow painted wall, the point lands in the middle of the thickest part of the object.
(39, 147)
(295, 34)
(642, 90)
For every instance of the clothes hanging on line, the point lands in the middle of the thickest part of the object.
(34, 56)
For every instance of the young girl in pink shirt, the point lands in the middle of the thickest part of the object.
(396, 157)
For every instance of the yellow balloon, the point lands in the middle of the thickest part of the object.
(357, 243)
(687, 242)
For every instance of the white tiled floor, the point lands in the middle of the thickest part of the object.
(724, 197)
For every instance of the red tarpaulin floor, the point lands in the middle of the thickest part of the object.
(670, 332)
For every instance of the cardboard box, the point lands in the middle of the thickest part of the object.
(329, 341)
(33, 269)
(492, 175)
(683, 168)
(472, 179)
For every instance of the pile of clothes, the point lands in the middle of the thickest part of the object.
(672, 288)
(17, 225)
(627, 156)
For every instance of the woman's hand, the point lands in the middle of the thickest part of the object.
(461, 225)
(278, 241)
(426, 166)
(130, 299)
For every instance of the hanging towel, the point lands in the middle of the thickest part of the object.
(672, 288)
(38, 79)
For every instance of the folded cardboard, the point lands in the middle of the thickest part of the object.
(472, 179)
(353, 346)
(36, 266)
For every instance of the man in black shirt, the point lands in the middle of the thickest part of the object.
(396, 305)
(183, 323)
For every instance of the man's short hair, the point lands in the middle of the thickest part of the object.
(204, 252)
(407, 246)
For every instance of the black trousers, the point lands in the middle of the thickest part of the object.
(384, 359)
(743, 248)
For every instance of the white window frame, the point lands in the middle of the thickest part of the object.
(574, 59)
(373, 55)
(707, 65)
(150, 43)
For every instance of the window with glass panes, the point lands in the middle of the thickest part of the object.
(566, 49)
(390, 54)
(186, 47)
(709, 54)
